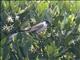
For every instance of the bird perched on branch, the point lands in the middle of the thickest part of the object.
(38, 28)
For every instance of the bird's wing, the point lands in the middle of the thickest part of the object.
(36, 27)
(41, 30)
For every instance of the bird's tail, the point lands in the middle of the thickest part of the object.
(26, 29)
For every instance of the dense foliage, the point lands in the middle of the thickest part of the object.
(61, 41)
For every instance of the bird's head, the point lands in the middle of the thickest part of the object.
(47, 22)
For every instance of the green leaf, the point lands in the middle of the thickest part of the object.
(41, 7)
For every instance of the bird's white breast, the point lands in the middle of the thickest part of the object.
(45, 24)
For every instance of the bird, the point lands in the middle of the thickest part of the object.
(40, 27)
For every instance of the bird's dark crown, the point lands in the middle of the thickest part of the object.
(47, 21)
